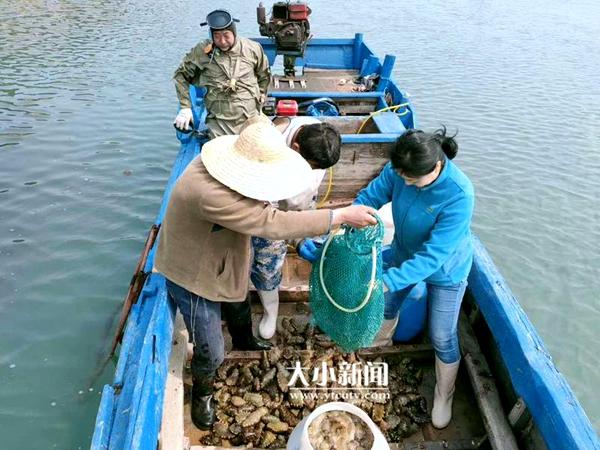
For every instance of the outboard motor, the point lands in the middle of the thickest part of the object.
(289, 27)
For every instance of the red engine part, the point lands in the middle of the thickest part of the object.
(287, 108)
(298, 11)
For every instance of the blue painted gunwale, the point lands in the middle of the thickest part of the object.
(130, 410)
(556, 411)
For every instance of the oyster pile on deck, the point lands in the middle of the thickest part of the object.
(301, 336)
(339, 430)
(257, 406)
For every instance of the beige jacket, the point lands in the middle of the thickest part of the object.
(204, 241)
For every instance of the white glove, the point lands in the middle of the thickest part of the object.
(184, 119)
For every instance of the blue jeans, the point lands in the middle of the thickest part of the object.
(203, 321)
(443, 304)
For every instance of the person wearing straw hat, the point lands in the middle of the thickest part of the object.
(204, 251)
(235, 72)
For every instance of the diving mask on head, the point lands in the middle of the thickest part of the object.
(220, 19)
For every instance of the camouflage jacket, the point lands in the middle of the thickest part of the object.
(234, 80)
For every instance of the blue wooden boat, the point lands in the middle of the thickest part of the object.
(512, 394)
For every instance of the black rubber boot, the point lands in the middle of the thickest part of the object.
(239, 323)
(203, 406)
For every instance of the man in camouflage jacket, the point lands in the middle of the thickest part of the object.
(235, 72)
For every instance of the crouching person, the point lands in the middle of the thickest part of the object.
(204, 250)
(319, 144)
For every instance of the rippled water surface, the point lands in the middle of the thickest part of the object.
(86, 144)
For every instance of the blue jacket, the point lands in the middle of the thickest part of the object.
(432, 238)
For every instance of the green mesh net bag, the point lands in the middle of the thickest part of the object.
(346, 290)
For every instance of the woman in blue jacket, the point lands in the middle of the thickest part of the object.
(432, 207)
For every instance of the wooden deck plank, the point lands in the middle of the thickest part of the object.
(495, 421)
(357, 166)
(413, 350)
(320, 80)
(172, 426)
(350, 124)
(458, 444)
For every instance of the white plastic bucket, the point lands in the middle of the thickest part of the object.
(299, 438)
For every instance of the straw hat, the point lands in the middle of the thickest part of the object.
(257, 163)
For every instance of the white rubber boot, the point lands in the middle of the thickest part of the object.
(268, 323)
(386, 332)
(445, 376)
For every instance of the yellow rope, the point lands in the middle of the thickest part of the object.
(389, 108)
(329, 186)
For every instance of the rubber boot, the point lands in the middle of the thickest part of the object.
(203, 407)
(268, 323)
(239, 323)
(445, 376)
(386, 332)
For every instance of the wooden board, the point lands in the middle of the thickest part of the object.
(498, 429)
(457, 444)
(350, 124)
(321, 81)
(171, 430)
(358, 165)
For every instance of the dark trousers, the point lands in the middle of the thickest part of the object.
(202, 319)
